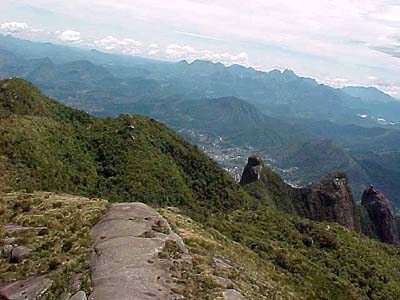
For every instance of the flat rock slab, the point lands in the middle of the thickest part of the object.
(125, 263)
(33, 288)
(232, 294)
(78, 296)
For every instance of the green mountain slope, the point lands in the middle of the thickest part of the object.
(47, 146)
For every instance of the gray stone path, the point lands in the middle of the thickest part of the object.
(125, 262)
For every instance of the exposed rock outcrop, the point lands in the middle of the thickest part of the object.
(381, 215)
(34, 288)
(231, 294)
(79, 296)
(329, 199)
(19, 253)
(265, 185)
(252, 170)
(130, 258)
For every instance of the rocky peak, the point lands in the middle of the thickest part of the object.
(329, 199)
(381, 215)
(252, 170)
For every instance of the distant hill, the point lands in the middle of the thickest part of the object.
(63, 54)
(368, 94)
(236, 121)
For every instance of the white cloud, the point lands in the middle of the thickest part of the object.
(154, 49)
(125, 45)
(174, 51)
(14, 27)
(180, 52)
(70, 36)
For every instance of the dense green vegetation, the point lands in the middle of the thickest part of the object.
(47, 146)
(271, 190)
(321, 262)
(131, 158)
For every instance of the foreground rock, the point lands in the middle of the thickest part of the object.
(126, 262)
(232, 294)
(34, 288)
(19, 253)
(381, 215)
(79, 296)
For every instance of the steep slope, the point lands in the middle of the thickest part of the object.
(47, 146)
(266, 186)
(52, 147)
(328, 199)
(381, 214)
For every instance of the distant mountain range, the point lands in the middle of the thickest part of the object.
(302, 125)
(281, 94)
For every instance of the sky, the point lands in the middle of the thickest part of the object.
(337, 42)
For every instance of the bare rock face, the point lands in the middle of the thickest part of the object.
(252, 171)
(6, 251)
(79, 296)
(19, 253)
(381, 215)
(76, 283)
(129, 259)
(231, 294)
(329, 199)
(34, 288)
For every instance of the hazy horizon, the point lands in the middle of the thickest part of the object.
(344, 43)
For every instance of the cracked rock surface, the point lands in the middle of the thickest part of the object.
(126, 264)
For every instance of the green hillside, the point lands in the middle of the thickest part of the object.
(49, 147)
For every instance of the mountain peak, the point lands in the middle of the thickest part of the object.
(202, 62)
(252, 170)
(381, 214)
(329, 199)
(289, 72)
